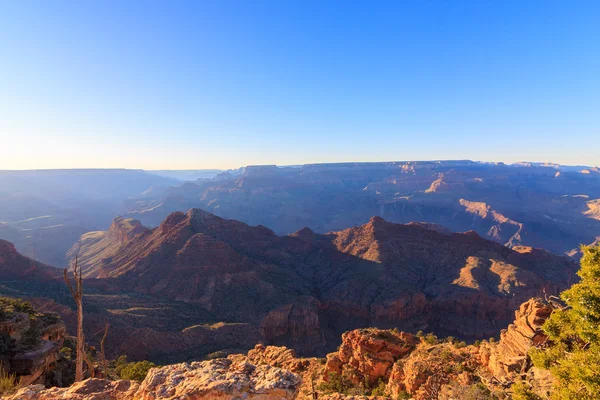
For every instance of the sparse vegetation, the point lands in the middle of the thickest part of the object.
(403, 395)
(135, 371)
(476, 391)
(380, 389)
(9, 383)
(523, 391)
(430, 338)
(336, 383)
(9, 307)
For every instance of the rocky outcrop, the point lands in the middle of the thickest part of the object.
(89, 389)
(509, 357)
(368, 355)
(431, 371)
(427, 368)
(279, 357)
(219, 379)
(224, 378)
(31, 340)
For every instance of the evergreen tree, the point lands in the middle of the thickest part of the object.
(573, 354)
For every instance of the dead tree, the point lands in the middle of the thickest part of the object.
(90, 365)
(77, 293)
(103, 355)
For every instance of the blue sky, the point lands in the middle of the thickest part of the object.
(203, 84)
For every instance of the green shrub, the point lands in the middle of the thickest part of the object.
(66, 352)
(522, 391)
(380, 389)
(136, 371)
(336, 383)
(132, 371)
(403, 395)
(446, 355)
(430, 338)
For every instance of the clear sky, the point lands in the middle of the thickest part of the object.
(218, 83)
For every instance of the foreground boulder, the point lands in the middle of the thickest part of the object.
(90, 389)
(367, 355)
(224, 378)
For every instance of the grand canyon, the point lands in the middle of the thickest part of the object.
(299, 200)
(450, 249)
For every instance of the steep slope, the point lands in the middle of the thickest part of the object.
(15, 267)
(93, 247)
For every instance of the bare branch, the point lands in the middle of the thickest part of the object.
(69, 284)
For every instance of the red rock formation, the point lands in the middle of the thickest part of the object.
(367, 355)
(509, 357)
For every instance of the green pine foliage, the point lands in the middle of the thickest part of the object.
(133, 371)
(573, 355)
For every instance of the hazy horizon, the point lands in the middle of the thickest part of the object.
(295, 165)
(224, 84)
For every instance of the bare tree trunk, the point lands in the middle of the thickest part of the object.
(104, 364)
(90, 366)
(77, 293)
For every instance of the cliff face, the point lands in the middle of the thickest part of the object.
(93, 247)
(31, 340)
(508, 360)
